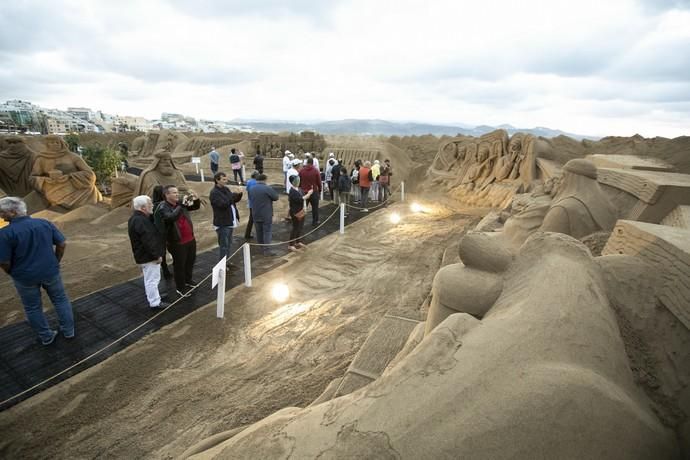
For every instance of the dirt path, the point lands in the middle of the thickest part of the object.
(200, 375)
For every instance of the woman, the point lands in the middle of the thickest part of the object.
(157, 198)
(296, 201)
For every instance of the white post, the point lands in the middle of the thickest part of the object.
(322, 182)
(220, 301)
(342, 218)
(202, 175)
(197, 167)
(244, 174)
(247, 266)
(402, 191)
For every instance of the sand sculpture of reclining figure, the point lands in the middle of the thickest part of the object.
(16, 162)
(580, 208)
(62, 177)
(543, 375)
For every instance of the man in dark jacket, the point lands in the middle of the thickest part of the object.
(147, 248)
(262, 197)
(310, 179)
(179, 235)
(259, 162)
(225, 214)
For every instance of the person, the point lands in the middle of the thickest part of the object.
(335, 179)
(179, 234)
(328, 175)
(225, 215)
(262, 197)
(310, 179)
(375, 173)
(157, 198)
(293, 171)
(314, 160)
(27, 255)
(63, 177)
(344, 187)
(250, 222)
(147, 248)
(296, 198)
(355, 181)
(385, 179)
(259, 162)
(365, 184)
(236, 165)
(214, 159)
(287, 164)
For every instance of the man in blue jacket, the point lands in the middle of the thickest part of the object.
(226, 217)
(262, 197)
(27, 255)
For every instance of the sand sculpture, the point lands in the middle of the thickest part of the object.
(62, 177)
(274, 145)
(161, 172)
(158, 141)
(16, 162)
(506, 386)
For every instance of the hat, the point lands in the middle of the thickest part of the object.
(331, 154)
(376, 162)
(287, 152)
(291, 156)
(296, 162)
(307, 155)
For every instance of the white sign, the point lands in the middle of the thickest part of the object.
(196, 160)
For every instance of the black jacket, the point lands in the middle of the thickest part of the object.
(147, 245)
(169, 216)
(222, 198)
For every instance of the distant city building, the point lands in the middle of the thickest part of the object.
(82, 112)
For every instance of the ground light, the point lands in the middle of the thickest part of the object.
(416, 207)
(395, 218)
(280, 292)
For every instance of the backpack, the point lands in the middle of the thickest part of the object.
(158, 219)
(355, 177)
(234, 158)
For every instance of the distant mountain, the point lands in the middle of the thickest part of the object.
(391, 128)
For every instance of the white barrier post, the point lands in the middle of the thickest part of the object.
(218, 280)
(244, 174)
(197, 167)
(322, 183)
(247, 266)
(402, 191)
(342, 218)
(202, 175)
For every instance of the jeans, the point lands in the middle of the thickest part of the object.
(296, 232)
(224, 241)
(152, 276)
(314, 201)
(184, 256)
(250, 224)
(30, 293)
(365, 196)
(238, 172)
(214, 168)
(263, 234)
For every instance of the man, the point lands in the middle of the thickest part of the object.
(364, 184)
(214, 158)
(147, 248)
(27, 255)
(375, 173)
(250, 223)
(236, 165)
(287, 163)
(385, 179)
(225, 214)
(310, 179)
(315, 161)
(296, 166)
(259, 162)
(179, 235)
(262, 197)
(335, 178)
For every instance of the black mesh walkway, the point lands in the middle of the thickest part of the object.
(108, 314)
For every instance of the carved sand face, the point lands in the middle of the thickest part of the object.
(53, 145)
(165, 167)
(515, 145)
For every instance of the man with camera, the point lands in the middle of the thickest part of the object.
(179, 235)
(225, 214)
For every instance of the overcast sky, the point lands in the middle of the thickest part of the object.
(594, 67)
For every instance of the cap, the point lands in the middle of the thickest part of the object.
(287, 152)
(291, 156)
(296, 162)
(331, 154)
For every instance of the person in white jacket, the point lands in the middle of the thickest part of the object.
(287, 163)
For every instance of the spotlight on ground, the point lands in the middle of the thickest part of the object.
(395, 218)
(280, 292)
(416, 207)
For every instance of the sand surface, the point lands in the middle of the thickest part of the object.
(201, 375)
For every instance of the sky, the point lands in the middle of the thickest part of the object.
(593, 67)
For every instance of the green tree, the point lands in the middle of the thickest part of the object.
(104, 161)
(72, 140)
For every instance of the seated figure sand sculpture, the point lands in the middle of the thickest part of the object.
(580, 208)
(62, 177)
(16, 161)
(543, 375)
(162, 171)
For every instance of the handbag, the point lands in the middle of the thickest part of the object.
(299, 215)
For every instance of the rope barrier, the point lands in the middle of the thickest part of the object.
(382, 203)
(295, 239)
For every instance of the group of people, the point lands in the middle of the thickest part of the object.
(236, 158)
